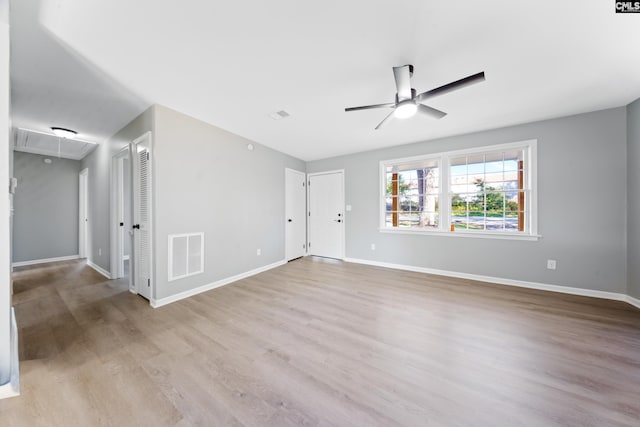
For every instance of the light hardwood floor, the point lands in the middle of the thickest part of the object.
(321, 343)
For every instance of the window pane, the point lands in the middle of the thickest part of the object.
(511, 201)
(416, 194)
(476, 205)
(515, 221)
(408, 219)
(495, 220)
(486, 191)
(494, 201)
(389, 204)
(388, 220)
(510, 165)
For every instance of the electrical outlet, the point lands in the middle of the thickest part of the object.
(99, 251)
(258, 252)
(373, 246)
(551, 264)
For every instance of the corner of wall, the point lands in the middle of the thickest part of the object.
(633, 198)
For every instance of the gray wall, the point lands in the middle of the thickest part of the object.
(45, 207)
(581, 207)
(99, 165)
(206, 180)
(633, 198)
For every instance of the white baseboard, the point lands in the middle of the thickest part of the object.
(45, 260)
(155, 303)
(99, 269)
(502, 281)
(12, 388)
(633, 301)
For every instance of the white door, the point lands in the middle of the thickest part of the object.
(83, 214)
(121, 232)
(141, 227)
(326, 214)
(295, 207)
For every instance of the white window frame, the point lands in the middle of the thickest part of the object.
(530, 149)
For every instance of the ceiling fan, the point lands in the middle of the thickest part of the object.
(408, 103)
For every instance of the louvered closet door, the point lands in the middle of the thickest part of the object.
(142, 223)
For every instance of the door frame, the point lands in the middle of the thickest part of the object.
(132, 252)
(342, 201)
(306, 209)
(83, 214)
(118, 234)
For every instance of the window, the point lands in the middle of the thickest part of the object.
(411, 194)
(489, 191)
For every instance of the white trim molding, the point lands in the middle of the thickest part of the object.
(633, 301)
(12, 388)
(45, 260)
(471, 234)
(155, 303)
(99, 269)
(502, 281)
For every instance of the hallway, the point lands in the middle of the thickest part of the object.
(72, 325)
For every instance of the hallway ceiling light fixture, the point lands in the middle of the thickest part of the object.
(64, 133)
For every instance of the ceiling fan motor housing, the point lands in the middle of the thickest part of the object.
(413, 96)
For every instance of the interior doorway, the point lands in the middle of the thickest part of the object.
(326, 214)
(121, 215)
(142, 216)
(131, 214)
(295, 207)
(83, 213)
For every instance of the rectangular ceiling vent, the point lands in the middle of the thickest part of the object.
(279, 115)
(37, 142)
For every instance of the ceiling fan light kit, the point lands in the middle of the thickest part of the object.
(408, 103)
(405, 109)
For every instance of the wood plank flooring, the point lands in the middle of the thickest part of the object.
(321, 343)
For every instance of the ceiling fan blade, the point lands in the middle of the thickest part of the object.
(403, 81)
(458, 84)
(389, 116)
(431, 112)
(369, 107)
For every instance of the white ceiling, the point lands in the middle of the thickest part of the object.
(92, 65)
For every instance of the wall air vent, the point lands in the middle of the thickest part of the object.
(186, 255)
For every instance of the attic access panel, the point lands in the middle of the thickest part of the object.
(35, 142)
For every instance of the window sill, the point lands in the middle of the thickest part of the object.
(474, 235)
